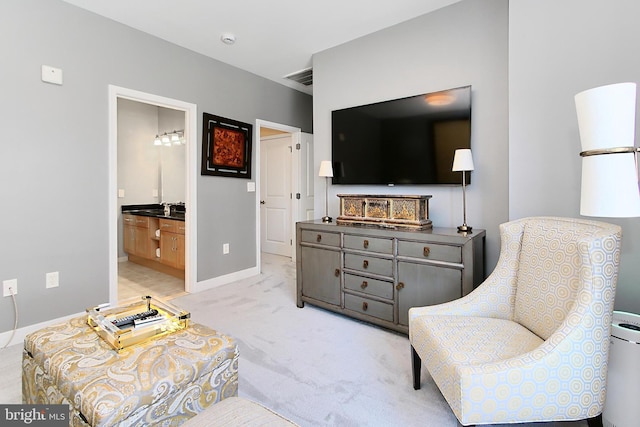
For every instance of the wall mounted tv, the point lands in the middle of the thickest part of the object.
(402, 141)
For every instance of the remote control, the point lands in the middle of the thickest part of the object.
(130, 320)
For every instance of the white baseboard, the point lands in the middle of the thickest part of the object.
(21, 333)
(225, 280)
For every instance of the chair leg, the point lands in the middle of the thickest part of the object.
(416, 364)
(595, 421)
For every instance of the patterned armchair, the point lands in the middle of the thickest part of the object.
(531, 343)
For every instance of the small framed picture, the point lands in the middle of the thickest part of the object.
(226, 147)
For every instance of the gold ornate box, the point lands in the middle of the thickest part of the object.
(140, 320)
(399, 211)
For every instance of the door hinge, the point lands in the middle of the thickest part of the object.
(298, 196)
(298, 146)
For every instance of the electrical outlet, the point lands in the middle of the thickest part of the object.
(225, 248)
(52, 280)
(6, 284)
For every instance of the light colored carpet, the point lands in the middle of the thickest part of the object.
(312, 366)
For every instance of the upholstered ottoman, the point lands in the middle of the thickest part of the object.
(164, 381)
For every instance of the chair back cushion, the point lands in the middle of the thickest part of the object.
(549, 276)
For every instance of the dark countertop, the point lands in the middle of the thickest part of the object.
(155, 210)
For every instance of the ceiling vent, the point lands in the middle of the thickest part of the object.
(304, 77)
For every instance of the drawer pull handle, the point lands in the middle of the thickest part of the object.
(426, 250)
(365, 244)
(365, 264)
(337, 272)
(365, 306)
(318, 238)
(399, 286)
(364, 284)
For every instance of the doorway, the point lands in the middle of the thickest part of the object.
(285, 186)
(190, 167)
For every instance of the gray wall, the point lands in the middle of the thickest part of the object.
(463, 44)
(53, 164)
(557, 49)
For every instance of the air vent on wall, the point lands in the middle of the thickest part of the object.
(304, 77)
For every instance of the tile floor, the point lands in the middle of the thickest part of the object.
(135, 280)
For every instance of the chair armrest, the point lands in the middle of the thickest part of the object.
(495, 297)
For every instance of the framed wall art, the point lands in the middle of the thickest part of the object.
(226, 147)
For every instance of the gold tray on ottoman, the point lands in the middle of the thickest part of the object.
(406, 211)
(143, 319)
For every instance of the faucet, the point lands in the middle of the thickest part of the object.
(167, 208)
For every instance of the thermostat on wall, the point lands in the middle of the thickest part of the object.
(51, 75)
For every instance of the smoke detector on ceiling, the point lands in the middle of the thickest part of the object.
(228, 38)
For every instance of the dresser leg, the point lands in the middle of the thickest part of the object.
(416, 364)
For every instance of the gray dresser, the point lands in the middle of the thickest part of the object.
(377, 274)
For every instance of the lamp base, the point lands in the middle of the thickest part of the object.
(464, 228)
(326, 219)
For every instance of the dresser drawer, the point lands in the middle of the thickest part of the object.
(380, 288)
(373, 265)
(430, 251)
(369, 307)
(365, 243)
(320, 237)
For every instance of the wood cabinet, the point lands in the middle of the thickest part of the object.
(139, 235)
(377, 274)
(141, 242)
(172, 243)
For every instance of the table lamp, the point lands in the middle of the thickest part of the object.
(463, 162)
(326, 171)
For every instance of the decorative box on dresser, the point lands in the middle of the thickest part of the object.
(376, 274)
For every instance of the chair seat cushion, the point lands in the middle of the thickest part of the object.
(447, 343)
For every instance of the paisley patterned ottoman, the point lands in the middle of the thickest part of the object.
(164, 381)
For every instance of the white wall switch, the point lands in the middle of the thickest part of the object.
(53, 279)
(225, 248)
(51, 75)
(121, 193)
(251, 187)
(9, 287)
(154, 192)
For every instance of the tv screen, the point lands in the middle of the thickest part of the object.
(403, 141)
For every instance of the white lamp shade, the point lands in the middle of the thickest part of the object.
(462, 160)
(325, 169)
(606, 119)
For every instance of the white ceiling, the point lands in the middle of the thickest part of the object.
(274, 38)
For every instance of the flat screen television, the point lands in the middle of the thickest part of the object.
(402, 141)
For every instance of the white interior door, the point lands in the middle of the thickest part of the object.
(276, 194)
(305, 176)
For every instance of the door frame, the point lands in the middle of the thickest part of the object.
(295, 182)
(191, 157)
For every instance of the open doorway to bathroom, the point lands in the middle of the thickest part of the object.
(151, 176)
(152, 201)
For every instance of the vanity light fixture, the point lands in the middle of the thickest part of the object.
(173, 138)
